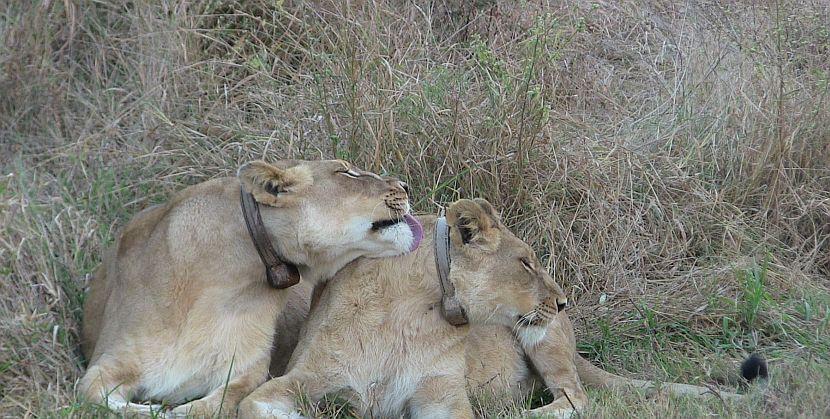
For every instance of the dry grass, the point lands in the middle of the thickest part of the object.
(669, 161)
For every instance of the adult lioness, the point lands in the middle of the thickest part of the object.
(377, 335)
(181, 306)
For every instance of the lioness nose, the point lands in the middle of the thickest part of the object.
(561, 302)
(399, 185)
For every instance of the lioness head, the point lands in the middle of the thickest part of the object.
(332, 211)
(497, 276)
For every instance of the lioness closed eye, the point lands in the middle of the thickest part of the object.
(377, 335)
(181, 303)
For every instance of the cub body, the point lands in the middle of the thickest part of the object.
(377, 336)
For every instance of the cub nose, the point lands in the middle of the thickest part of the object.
(405, 187)
(561, 302)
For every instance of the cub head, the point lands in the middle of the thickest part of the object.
(497, 277)
(332, 210)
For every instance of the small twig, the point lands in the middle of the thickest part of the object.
(655, 343)
(568, 398)
(714, 390)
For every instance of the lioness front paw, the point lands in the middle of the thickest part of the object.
(130, 409)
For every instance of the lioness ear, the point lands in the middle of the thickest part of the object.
(476, 223)
(267, 181)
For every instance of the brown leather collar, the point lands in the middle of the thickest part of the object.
(450, 306)
(279, 273)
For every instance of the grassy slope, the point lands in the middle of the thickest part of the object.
(670, 162)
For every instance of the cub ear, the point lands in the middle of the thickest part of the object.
(476, 223)
(487, 207)
(267, 181)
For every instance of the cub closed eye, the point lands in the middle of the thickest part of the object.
(526, 263)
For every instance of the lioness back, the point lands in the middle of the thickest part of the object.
(99, 288)
(181, 289)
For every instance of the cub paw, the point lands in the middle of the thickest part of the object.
(261, 409)
(547, 412)
(201, 408)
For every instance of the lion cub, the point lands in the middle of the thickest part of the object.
(377, 335)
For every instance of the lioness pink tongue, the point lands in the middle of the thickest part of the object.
(417, 231)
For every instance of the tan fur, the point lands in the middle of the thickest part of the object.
(376, 335)
(180, 305)
(497, 366)
(377, 327)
